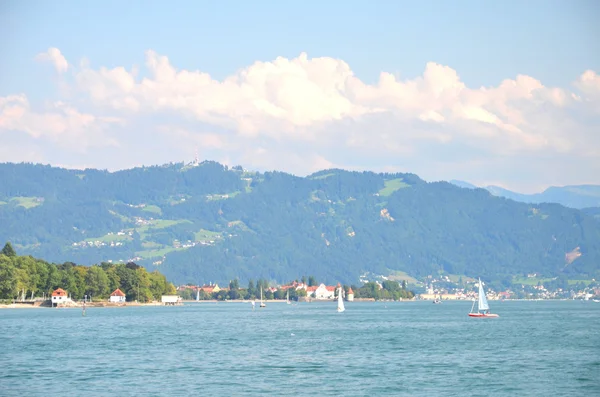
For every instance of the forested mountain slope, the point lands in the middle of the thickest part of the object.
(206, 222)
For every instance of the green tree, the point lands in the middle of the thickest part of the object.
(251, 293)
(8, 279)
(97, 282)
(390, 285)
(143, 287)
(8, 250)
(234, 287)
(159, 287)
(114, 281)
(69, 283)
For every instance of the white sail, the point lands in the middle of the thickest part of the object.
(340, 305)
(483, 303)
(262, 304)
(288, 297)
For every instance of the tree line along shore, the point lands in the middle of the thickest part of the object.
(24, 278)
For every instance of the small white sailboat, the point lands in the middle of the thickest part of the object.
(340, 302)
(288, 298)
(262, 304)
(483, 309)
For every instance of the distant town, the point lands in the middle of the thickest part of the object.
(531, 287)
(441, 287)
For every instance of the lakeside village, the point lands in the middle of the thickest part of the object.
(296, 291)
(440, 288)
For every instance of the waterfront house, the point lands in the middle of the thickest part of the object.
(117, 296)
(170, 300)
(59, 296)
(310, 291)
(324, 292)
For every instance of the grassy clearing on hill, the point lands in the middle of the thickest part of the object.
(155, 209)
(323, 176)
(26, 202)
(391, 186)
(530, 280)
(157, 253)
(586, 282)
(206, 235)
(212, 197)
(399, 276)
(109, 238)
(150, 245)
(157, 224)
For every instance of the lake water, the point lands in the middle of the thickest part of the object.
(535, 348)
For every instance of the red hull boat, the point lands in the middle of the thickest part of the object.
(483, 315)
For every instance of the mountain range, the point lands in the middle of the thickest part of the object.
(576, 196)
(206, 222)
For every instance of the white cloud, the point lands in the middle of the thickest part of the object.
(60, 123)
(292, 96)
(301, 113)
(54, 56)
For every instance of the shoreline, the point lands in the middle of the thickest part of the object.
(78, 305)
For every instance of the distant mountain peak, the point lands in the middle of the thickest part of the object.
(573, 196)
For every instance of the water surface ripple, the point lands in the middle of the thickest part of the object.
(374, 348)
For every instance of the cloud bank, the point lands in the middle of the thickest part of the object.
(305, 114)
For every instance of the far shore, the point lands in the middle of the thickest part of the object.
(79, 305)
(76, 305)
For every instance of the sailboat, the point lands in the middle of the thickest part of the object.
(262, 304)
(438, 300)
(483, 309)
(340, 303)
(288, 298)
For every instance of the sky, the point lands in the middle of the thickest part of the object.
(502, 93)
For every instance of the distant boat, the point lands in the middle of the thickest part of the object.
(483, 309)
(262, 304)
(288, 298)
(340, 305)
(437, 300)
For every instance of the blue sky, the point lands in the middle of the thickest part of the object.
(483, 42)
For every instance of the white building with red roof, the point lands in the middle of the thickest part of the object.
(117, 296)
(324, 292)
(60, 296)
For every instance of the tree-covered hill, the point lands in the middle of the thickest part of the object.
(207, 222)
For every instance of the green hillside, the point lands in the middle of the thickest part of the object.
(207, 222)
